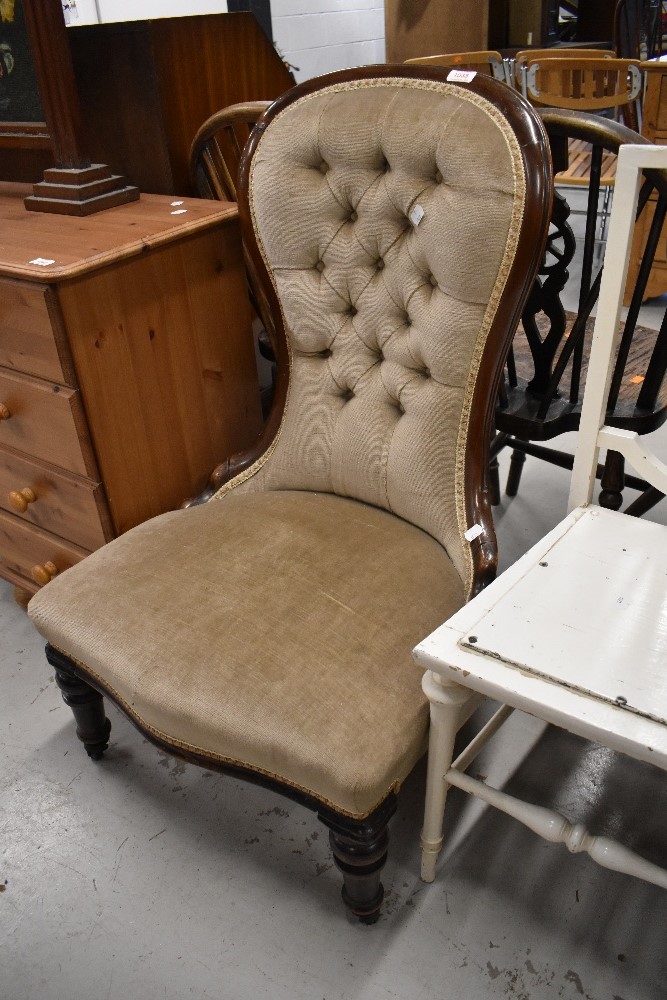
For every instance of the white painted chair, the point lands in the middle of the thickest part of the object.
(575, 632)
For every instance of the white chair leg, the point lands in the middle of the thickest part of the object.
(446, 701)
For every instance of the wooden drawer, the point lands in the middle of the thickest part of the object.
(23, 548)
(67, 505)
(45, 421)
(30, 332)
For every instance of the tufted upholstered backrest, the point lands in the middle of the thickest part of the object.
(387, 212)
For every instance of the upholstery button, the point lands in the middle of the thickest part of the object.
(433, 280)
(326, 353)
(379, 264)
(438, 177)
(324, 167)
(347, 395)
(353, 217)
(352, 311)
(426, 372)
(320, 265)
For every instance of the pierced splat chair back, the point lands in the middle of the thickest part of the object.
(388, 249)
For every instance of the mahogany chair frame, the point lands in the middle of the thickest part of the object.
(360, 845)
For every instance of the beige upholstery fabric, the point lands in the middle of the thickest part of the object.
(274, 630)
(386, 317)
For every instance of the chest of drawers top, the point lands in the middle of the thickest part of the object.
(127, 370)
(75, 246)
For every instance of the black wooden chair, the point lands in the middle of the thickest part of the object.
(542, 392)
(268, 632)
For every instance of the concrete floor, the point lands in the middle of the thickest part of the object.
(143, 877)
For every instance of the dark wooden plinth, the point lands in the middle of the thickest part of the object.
(80, 191)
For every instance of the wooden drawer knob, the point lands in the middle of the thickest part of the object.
(19, 499)
(44, 574)
(4, 412)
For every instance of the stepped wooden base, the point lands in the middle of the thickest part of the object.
(81, 191)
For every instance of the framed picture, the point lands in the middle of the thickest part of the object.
(21, 116)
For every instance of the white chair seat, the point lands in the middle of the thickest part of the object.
(575, 632)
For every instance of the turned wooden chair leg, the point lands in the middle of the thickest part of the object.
(87, 704)
(612, 481)
(360, 851)
(517, 462)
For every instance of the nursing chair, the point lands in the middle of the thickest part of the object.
(574, 632)
(267, 632)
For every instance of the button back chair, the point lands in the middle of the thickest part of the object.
(267, 632)
(541, 397)
(574, 632)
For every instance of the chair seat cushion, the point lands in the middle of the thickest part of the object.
(271, 630)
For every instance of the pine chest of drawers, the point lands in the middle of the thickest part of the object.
(127, 371)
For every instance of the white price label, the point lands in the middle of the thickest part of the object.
(416, 215)
(462, 75)
(472, 533)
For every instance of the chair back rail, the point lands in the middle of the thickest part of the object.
(591, 84)
(487, 61)
(521, 59)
